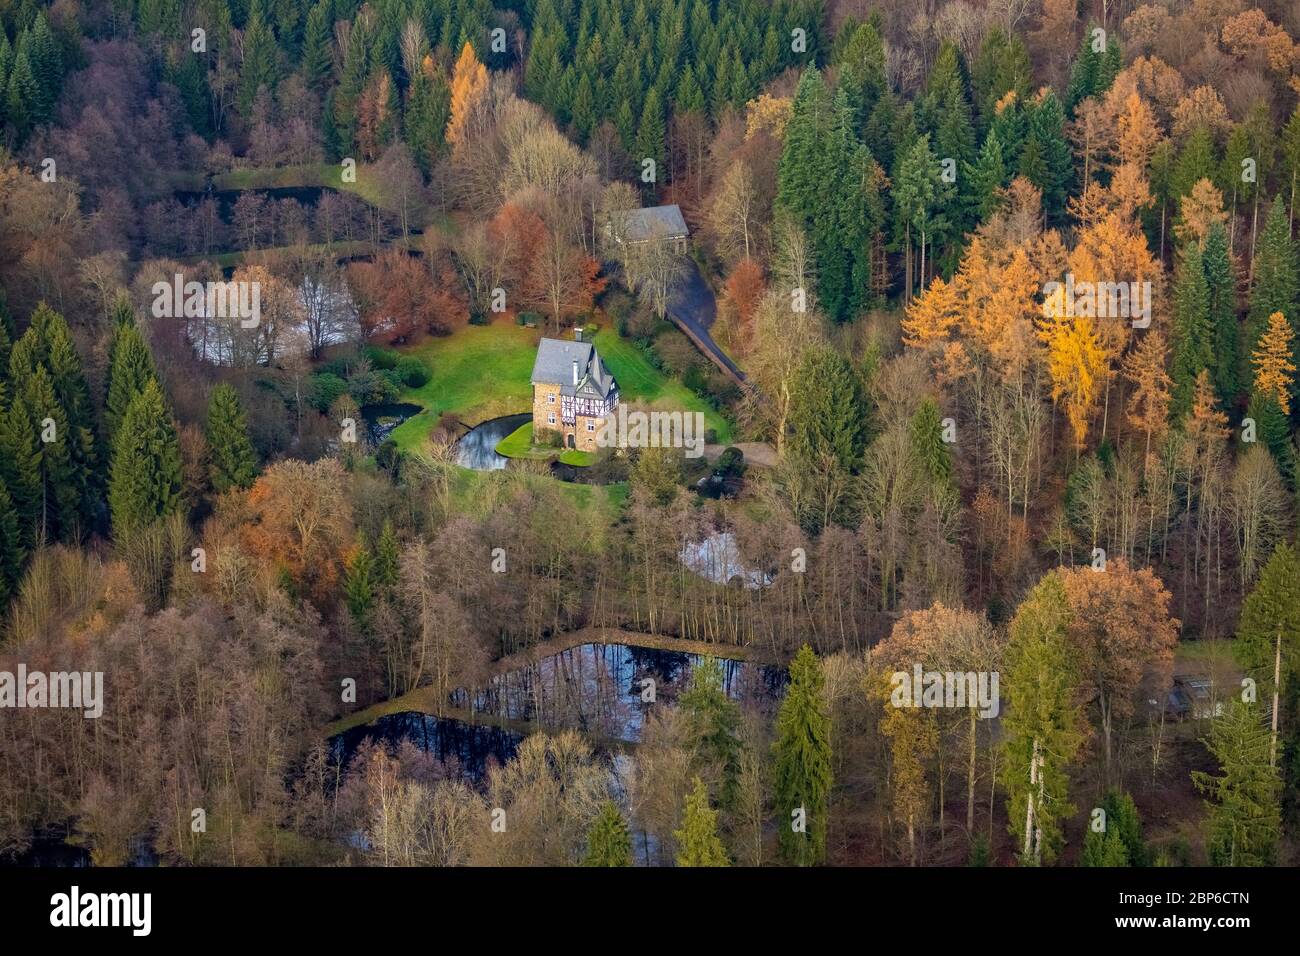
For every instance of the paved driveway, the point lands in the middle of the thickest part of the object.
(693, 309)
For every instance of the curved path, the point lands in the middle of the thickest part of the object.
(693, 309)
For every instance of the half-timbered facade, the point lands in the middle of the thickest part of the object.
(573, 393)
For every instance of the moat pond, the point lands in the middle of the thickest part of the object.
(595, 688)
(307, 196)
(477, 448)
(52, 850)
(469, 748)
(382, 419)
(602, 690)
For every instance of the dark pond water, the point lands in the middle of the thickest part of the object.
(48, 850)
(226, 198)
(52, 852)
(467, 746)
(593, 688)
(382, 419)
(598, 688)
(478, 448)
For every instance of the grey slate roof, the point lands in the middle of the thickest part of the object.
(654, 222)
(554, 366)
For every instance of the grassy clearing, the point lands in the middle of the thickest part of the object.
(482, 372)
(519, 444)
(310, 176)
(368, 185)
(477, 373)
(639, 381)
(1206, 652)
(320, 175)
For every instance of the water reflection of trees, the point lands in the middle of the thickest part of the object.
(598, 688)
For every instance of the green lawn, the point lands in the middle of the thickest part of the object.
(482, 372)
(579, 459)
(479, 372)
(639, 381)
(519, 444)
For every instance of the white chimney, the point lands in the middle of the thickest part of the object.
(575, 374)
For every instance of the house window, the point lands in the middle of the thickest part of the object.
(550, 398)
(550, 418)
(591, 426)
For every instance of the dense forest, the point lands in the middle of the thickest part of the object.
(1012, 287)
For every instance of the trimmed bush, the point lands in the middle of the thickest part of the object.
(411, 371)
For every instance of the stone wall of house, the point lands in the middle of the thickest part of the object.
(585, 439)
(543, 397)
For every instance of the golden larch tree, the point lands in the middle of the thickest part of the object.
(1006, 322)
(1274, 370)
(469, 85)
(1199, 211)
(1077, 364)
(932, 316)
(1148, 403)
(1137, 132)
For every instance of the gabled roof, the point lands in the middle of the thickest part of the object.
(554, 366)
(654, 222)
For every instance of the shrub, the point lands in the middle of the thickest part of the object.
(731, 463)
(372, 388)
(325, 388)
(340, 366)
(412, 372)
(387, 456)
(447, 429)
(696, 379)
(678, 356)
(382, 358)
(548, 437)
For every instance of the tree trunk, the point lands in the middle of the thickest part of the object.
(1029, 850)
(970, 779)
(1105, 730)
(1277, 678)
(1254, 228)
